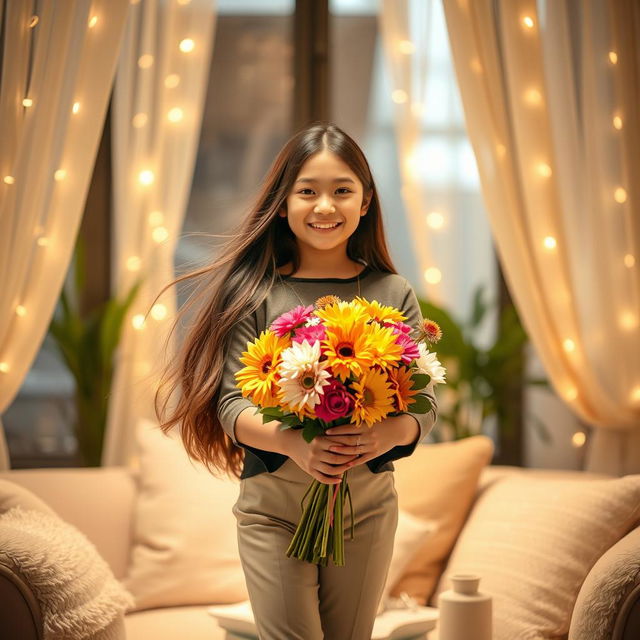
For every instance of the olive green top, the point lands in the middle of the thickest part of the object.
(387, 288)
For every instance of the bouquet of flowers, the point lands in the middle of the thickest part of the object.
(330, 364)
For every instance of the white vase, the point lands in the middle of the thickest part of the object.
(465, 613)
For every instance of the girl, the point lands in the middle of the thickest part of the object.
(315, 229)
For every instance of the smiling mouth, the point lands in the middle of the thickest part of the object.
(324, 226)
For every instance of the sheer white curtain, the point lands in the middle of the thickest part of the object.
(550, 93)
(57, 70)
(157, 111)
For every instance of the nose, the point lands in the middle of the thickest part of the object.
(324, 206)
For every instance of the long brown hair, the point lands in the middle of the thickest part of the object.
(237, 282)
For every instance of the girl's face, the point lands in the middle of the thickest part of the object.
(325, 203)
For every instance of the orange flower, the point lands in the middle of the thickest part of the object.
(400, 380)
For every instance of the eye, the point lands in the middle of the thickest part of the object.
(302, 190)
(344, 189)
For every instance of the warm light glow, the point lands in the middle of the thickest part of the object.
(406, 46)
(569, 345)
(60, 174)
(184, 2)
(43, 241)
(435, 220)
(93, 21)
(33, 21)
(433, 275)
(629, 261)
(175, 114)
(617, 122)
(27, 102)
(9, 179)
(187, 45)
(417, 108)
(571, 393)
(159, 312)
(613, 57)
(156, 218)
(501, 150)
(76, 107)
(145, 61)
(476, 67)
(544, 169)
(21, 310)
(139, 120)
(550, 243)
(159, 234)
(628, 320)
(527, 21)
(578, 439)
(137, 321)
(4, 367)
(635, 394)
(146, 177)
(172, 81)
(399, 96)
(134, 263)
(533, 97)
(620, 195)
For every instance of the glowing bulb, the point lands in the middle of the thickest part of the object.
(433, 275)
(578, 439)
(613, 57)
(406, 46)
(146, 177)
(21, 310)
(76, 107)
(635, 394)
(60, 174)
(134, 263)
(533, 97)
(187, 45)
(569, 345)
(4, 367)
(527, 21)
(435, 220)
(9, 179)
(617, 122)
(544, 169)
(145, 61)
(137, 321)
(139, 120)
(158, 312)
(399, 96)
(620, 195)
(159, 234)
(628, 320)
(550, 243)
(175, 114)
(27, 102)
(93, 21)
(629, 261)
(172, 81)
(156, 218)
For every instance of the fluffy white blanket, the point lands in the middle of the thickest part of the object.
(78, 594)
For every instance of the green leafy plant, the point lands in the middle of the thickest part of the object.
(87, 344)
(480, 380)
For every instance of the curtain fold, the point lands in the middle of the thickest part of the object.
(159, 96)
(550, 91)
(57, 69)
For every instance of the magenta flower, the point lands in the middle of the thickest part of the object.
(336, 402)
(291, 320)
(411, 351)
(313, 333)
(400, 326)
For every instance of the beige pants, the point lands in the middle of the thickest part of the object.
(296, 600)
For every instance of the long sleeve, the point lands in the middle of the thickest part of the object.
(426, 421)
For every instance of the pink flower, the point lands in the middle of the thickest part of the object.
(290, 320)
(336, 402)
(411, 351)
(313, 333)
(399, 327)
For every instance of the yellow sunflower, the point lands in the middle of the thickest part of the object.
(342, 314)
(374, 398)
(400, 380)
(257, 379)
(386, 351)
(348, 350)
(380, 312)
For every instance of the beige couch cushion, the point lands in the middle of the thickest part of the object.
(438, 482)
(533, 541)
(185, 549)
(13, 495)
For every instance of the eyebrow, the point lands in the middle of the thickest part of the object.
(314, 180)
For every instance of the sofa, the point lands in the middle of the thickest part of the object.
(559, 551)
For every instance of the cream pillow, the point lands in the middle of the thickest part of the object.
(534, 540)
(185, 549)
(438, 482)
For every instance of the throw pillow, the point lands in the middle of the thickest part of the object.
(534, 540)
(185, 549)
(14, 495)
(438, 482)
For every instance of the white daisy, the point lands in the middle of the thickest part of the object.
(312, 321)
(302, 375)
(428, 363)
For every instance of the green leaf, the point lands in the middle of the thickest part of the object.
(420, 380)
(422, 404)
(311, 429)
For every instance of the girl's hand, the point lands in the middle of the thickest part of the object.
(315, 458)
